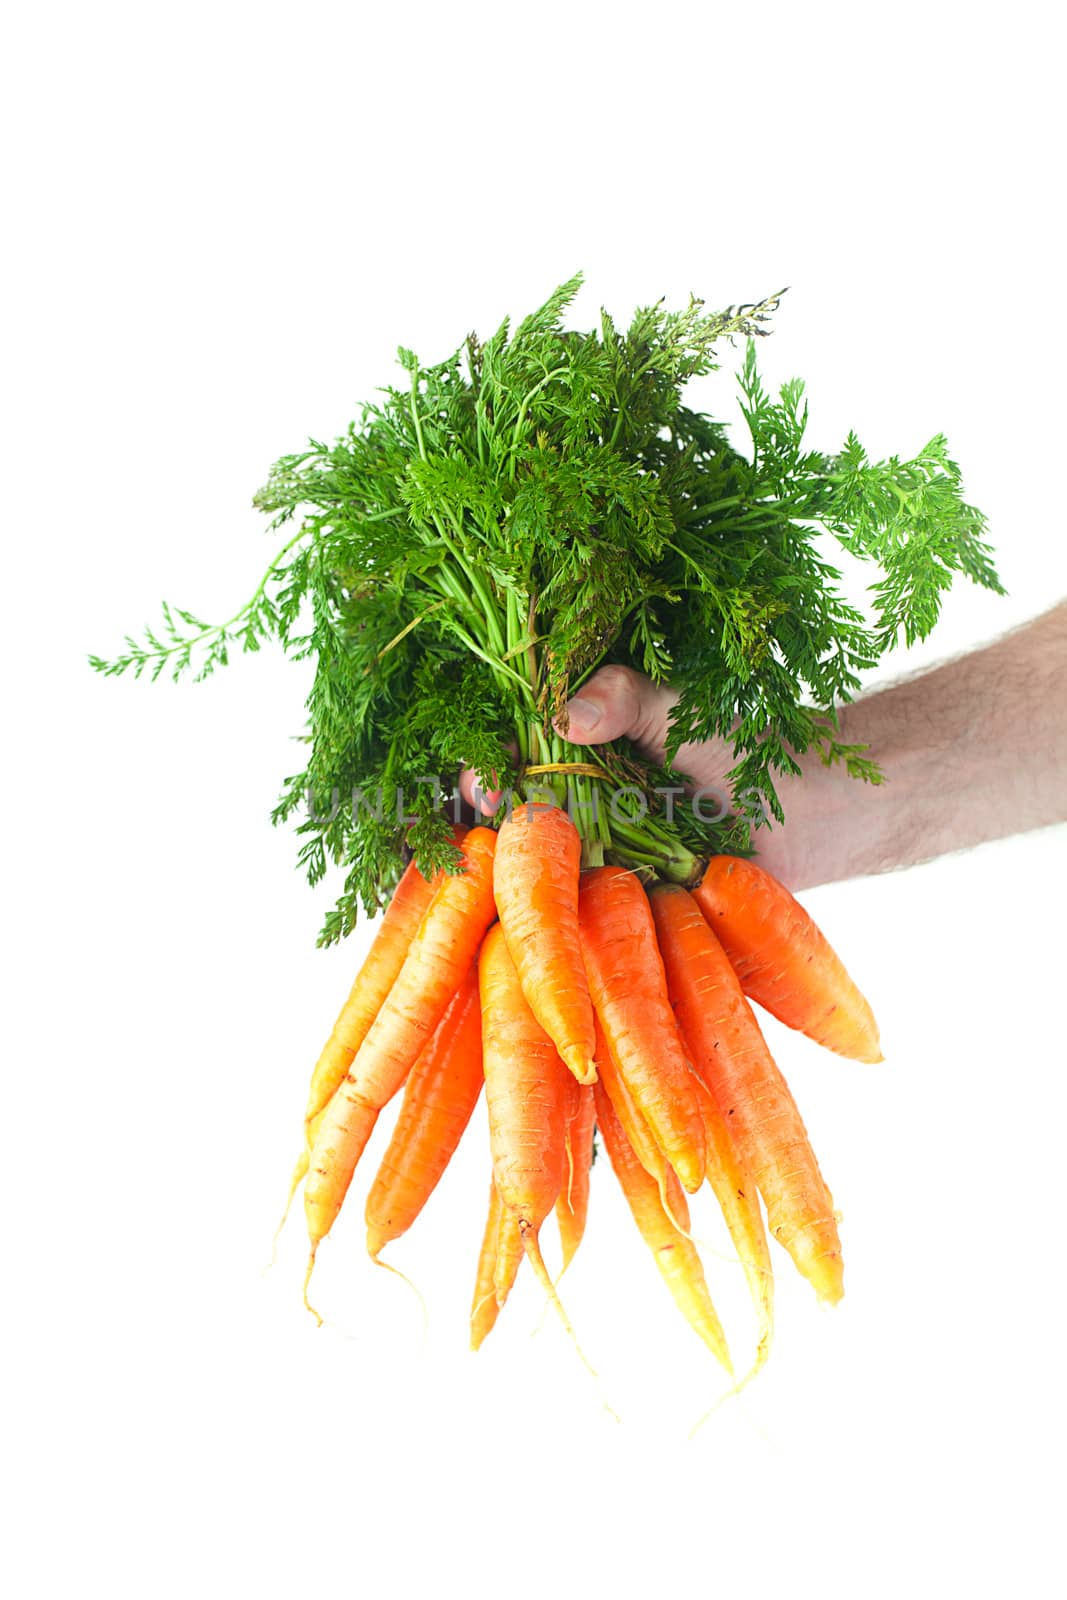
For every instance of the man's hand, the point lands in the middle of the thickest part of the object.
(970, 751)
(619, 703)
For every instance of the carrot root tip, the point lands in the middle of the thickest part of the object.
(307, 1283)
(376, 1243)
(580, 1065)
(299, 1174)
(387, 1266)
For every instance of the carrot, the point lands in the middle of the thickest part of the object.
(438, 959)
(510, 1249)
(629, 993)
(633, 1123)
(500, 1256)
(373, 982)
(783, 960)
(441, 1092)
(728, 1051)
(572, 1203)
(736, 1190)
(675, 1254)
(371, 985)
(535, 880)
(525, 1093)
(734, 1185)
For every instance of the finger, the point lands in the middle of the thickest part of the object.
(618, 702)
(484, 800)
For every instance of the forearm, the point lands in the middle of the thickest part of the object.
(971, 751)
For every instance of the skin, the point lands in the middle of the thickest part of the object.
(972, 750)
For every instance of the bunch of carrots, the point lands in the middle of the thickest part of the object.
(484, 537)
(582, 1000)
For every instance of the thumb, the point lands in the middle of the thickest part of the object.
(616, 703)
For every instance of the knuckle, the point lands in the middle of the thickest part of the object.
(617, 678)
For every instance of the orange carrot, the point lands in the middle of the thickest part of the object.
(729, 1052)
(629, 993)
(501, 1255)
(509, 1253)
(535, 880)
(437, 961)
(524, 1087)
(633, 1123)
(572, 1204)
(525, 1093)
(733, 1183)
(782, 959)
(736, 1190)
(676, 1255)
(441, 1092)
(372, 983)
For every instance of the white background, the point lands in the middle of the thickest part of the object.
(224, 220)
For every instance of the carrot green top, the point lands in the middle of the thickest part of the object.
(504, 520)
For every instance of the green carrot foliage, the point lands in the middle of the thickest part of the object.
(501, 523)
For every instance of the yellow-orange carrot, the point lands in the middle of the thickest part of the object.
(736, 1190)
(636, 1129)
(782, 958)
(535, 880)
(524, 1087)
(729, 1052)
(629, 993)
(501, 1254)
(441, 1092)
(372, 983)
(734, 1185)
(525, 1093)
(675, 1254)
(572, 1204)
(437, 961)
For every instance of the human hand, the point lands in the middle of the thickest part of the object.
(617, 703)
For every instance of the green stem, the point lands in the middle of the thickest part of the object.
(715, 505)
(524, 407)
(648, 845)
(219, 630)
(474, 578)
(271, 570)
(478, 585)
(644, 842)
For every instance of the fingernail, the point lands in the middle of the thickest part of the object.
(584, 716)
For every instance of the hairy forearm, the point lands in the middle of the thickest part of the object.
(971, 751)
